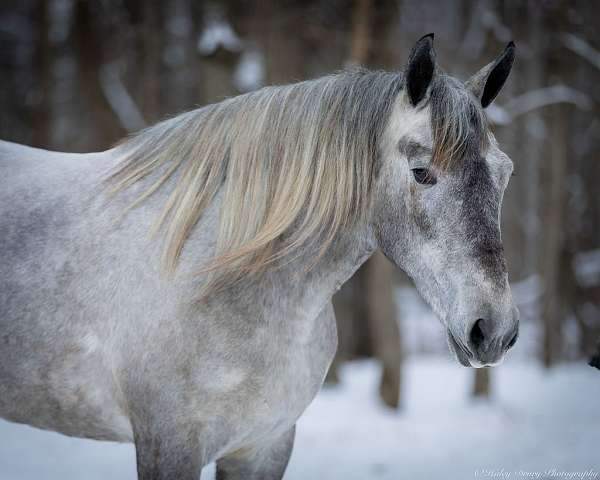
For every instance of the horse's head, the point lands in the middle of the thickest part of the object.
(438, 197)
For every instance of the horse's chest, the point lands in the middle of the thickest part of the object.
(295, 367)
(301, 364)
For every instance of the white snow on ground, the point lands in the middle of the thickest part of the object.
(537, 421)
(539, 424)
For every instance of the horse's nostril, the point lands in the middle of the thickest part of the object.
(476, 336)
(513, 340)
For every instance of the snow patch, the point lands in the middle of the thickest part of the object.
(250, 72)
(218, 33)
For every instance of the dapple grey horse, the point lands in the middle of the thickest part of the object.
(198, 323)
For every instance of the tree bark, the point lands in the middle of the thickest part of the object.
(374, 302)
(43, 54)
(481, 384)
(382, 317)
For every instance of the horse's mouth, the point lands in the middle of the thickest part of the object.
(460, 351)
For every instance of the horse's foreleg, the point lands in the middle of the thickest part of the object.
(264, 462)
(164, 455)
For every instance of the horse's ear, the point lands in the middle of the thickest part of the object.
(420, 69)
(486, 83)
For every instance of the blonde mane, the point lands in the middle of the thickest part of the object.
(294, 164)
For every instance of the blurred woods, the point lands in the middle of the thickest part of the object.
(79, 75)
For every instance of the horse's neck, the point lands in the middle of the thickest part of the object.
(298, 285)
(302, 288)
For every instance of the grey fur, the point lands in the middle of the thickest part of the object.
(96, 343)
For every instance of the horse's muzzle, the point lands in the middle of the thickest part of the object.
(486, 342)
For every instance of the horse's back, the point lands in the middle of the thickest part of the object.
(23, 202)
(37, 189)
(22, 166)
(18, 162)
(14, 154)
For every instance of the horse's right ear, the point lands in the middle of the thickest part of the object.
(486, 83)
(420, 69)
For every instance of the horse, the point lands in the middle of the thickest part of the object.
(175, 290)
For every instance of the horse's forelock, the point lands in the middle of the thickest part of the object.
(458, 123)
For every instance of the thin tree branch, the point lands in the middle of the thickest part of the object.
(582, 48)
(534, 99)
(119, 99)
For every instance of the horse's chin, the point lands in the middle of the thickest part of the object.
(458, 352)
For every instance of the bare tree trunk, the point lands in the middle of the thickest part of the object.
(481, 384)
(554, 216)
(381, 314)
(360, 40)
(372, 306)
(180, 79)
(42, 64)
(151, 64)
(101, 127)
(552, 305)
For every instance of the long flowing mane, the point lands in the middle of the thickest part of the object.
(293, 163)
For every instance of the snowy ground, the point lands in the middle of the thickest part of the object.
(538, 425)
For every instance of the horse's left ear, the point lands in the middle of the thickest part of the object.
(420, 69)
(486, 83)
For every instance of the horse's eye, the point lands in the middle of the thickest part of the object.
(423, 176)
